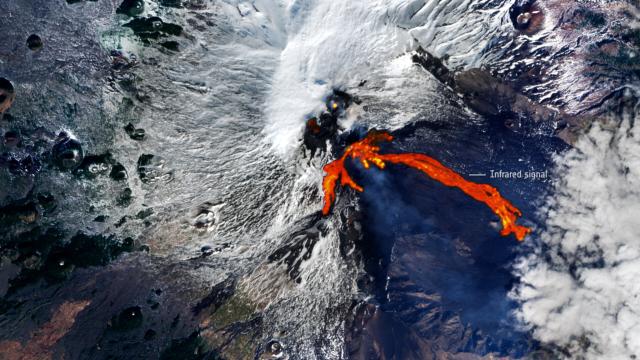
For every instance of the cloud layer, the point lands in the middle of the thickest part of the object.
(580, 288)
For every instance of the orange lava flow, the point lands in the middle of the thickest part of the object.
(366, 151)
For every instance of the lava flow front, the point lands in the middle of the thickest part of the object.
(366, 151)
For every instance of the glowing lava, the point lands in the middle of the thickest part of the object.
(366, 151)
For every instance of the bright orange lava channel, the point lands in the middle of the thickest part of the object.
(366, 151)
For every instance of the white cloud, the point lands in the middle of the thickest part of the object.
(583, 281)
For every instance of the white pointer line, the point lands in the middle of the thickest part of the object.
(477, 174)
